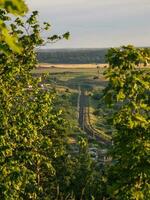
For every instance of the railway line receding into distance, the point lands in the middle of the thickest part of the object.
(84, 119)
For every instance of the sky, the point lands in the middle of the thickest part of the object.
(96, 23)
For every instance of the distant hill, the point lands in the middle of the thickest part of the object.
(71, 56)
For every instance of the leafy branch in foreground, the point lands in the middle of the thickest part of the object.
(34, 160)
(31, 129)
(129, 91)
(17, 7)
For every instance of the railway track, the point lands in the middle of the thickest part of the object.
(84, 120)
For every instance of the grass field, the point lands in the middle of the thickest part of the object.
(67, 80)
(100, 113)
(73, 77)
(58, 68)
(71, 66)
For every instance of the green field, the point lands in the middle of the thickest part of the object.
(67, 82)
(73, 77)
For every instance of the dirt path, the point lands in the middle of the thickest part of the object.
(84, 121)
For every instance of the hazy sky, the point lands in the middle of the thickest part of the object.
(97, 23)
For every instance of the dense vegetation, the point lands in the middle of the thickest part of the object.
(37, 161)
(128, 91)
(72, 56)
(35, 158)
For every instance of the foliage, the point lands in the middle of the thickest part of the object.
(31, 130)
(129, 89)
(15, 7)
(35, 159)
(78, 177)
(73, 56)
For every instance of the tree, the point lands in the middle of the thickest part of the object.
(31, 129)
(128, 88)
(77, 175)
(34, 161)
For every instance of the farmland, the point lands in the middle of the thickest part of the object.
(72, 127)
(70, 81)
(80, 88)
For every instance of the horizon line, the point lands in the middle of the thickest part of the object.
(58, 48)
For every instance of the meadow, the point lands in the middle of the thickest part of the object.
(67, 80)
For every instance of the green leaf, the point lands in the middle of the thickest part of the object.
(14, 7)
(66, 35)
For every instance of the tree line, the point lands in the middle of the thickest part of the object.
(72, 56)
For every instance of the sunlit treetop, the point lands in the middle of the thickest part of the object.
(16, 7)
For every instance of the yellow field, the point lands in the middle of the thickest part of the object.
(71, 66)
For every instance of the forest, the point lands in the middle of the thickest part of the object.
(76, 134)
(71, 56)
